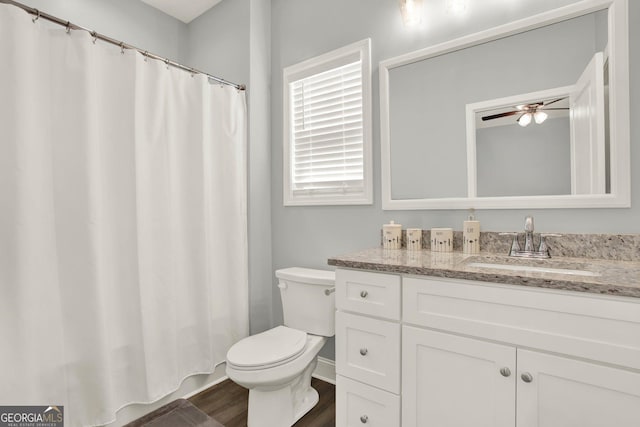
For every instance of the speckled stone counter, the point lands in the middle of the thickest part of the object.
(621, 278)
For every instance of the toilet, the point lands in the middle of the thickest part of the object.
(276, 365)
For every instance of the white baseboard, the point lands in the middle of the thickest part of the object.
(326, 370)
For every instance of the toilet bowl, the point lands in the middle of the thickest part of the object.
(280, 393)
(276, 365)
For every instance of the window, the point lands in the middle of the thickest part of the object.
(327, 129)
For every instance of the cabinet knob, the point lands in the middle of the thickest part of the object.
(364, 351)
(364, 419)
(364, 294)
(505, 372)
(526, 377)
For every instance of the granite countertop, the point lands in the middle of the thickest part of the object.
(621, 278)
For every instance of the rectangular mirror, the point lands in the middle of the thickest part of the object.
(532, 114)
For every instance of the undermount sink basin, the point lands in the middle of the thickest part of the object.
(531, 268)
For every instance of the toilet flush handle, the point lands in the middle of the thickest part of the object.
(282, 285)
(329, 291)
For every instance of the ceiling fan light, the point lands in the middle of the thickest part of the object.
(524, 119)
(411, 11)
(540, 116)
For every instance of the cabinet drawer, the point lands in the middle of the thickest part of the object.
(368, 350)
(375, 294)
(589, 326)
(358, 404)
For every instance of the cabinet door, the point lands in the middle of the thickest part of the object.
(555, 391)
(453, 381)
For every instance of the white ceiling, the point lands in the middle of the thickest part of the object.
(184, 10)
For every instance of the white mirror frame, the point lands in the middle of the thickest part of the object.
(618, 36)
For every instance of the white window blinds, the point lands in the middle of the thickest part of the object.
(327, 149)
(327, 128)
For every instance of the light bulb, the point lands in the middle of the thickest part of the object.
(411, 11)
(540, 116)
(456, 7)
(525, 119)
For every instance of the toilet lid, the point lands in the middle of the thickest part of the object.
(268, 348)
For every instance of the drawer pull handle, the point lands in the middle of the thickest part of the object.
(505, 372)
(364, 294)
(364, 419)
(364, 351)
(526, 377)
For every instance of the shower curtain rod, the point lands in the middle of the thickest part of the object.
(70, 26)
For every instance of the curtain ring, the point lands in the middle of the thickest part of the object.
(193, 72)
(146, 55)
(166, 61)
(95, 36)
(68, 27)
(37, 16)
(122, 48)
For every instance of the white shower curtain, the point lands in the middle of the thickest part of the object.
(123, 236)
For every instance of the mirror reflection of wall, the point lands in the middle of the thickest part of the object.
(532, 161)
(427, 102)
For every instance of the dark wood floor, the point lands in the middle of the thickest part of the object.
(227, 403)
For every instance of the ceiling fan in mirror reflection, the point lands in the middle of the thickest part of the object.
(529, 112)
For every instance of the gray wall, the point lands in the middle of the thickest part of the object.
(531, 161)
(307, 236)
(260, 262)
(218, 41)
(133, 22)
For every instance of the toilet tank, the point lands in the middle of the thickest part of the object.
(305, 304)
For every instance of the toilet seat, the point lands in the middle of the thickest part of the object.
(268, 349)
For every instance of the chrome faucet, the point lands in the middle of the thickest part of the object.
(529, 250)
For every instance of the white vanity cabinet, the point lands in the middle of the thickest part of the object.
(482, 354)
(367, 349)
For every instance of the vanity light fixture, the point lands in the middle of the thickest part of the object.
(411, 11)
(456, 7)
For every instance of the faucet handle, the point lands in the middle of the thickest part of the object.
(543, 243)
(515, 245)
